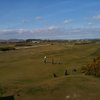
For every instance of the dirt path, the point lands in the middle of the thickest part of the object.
(26, 47)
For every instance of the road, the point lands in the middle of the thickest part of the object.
(26, 47)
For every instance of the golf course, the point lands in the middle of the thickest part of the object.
(24, 74)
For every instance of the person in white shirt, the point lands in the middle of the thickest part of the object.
(45, 59)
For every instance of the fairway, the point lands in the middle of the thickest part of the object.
(23, 72)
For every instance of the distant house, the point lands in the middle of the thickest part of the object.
(35, 41)
(80, 42)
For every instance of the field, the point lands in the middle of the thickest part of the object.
(24, 74)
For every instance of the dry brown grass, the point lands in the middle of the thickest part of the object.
(23, 71)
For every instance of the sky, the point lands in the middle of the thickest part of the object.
(49, 19)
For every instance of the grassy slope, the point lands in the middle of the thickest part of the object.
(23, 70)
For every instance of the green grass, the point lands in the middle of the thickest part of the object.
(23, 71)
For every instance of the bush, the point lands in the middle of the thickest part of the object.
(93, 68)
(7, 48)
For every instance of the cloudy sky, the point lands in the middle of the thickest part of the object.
(49, 19)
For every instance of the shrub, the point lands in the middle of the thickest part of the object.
(93, 68)
(7, 48)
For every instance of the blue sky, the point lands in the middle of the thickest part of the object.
(49, 19)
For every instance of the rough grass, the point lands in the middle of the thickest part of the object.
(23, 71)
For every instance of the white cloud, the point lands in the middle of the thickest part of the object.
(90, 23)
(96, 17)
(38, 18)
(25, 21)
(51, 33)
(14, 31)
(67, 21)
(52, 28)
(75, 31)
